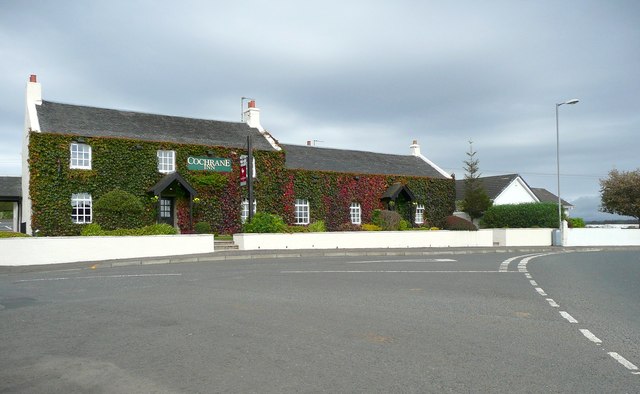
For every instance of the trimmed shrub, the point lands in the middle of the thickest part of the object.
(387, 220)
(297, 229)
(404, 225)
(202, 228)
(371, 227)
(11, 234)
(94, 229)
(529, 215)
(349, 227)
(576, 223)
(455, 223)
(317, 227)
(118, 209)
(263, 222)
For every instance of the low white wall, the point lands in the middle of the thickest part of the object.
(365, 239)
(522, 236)
(601, 237)
(53, 250)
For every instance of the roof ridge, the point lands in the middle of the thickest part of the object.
(138, 112)
(345, 150)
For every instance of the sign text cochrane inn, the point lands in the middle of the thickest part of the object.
(217, 164)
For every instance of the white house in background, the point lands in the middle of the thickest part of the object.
(510, 189)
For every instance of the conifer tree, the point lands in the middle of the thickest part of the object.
(476, 201)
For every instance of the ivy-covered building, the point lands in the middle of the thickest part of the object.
(188, 170)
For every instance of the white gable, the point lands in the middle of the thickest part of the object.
(515, 193)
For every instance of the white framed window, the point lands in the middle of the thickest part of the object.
(166, 161)
(302, 211)
(356, 213)
(419, 214)
(81, 208)
(165, 208)
(80, 156)
(244, 213)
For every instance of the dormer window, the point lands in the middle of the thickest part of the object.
(166, 161)
(80, 156)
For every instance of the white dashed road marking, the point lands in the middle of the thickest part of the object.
(626, 363)
(590, 336)
(540, 291)
(552, 303)
(522, 267)
(567, 316)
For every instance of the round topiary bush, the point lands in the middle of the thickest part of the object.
(118, 209)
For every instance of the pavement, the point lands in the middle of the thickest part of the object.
(229, 255)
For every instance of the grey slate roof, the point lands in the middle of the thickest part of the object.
(493, 185)
(10, 188)
(350, 161)
(545, 195)
(101, 122)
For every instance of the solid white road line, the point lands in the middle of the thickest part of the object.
(387, 272)
(567, 316)
(627, 364)
(590, 336)
(95, 277)
(402, 261)
(552, 303)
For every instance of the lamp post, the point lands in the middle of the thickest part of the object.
(572, 101)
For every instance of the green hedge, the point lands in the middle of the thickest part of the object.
(154, 229)
(11, 234)
(530, 215)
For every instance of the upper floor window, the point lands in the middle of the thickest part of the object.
(80, 156)
(166, 161)
(419, 214)
(81, 208)
(356, 213)
(302, 211)
(244, 213)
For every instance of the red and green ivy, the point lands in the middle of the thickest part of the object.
(131, 165)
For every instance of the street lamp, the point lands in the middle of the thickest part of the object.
(572, 101)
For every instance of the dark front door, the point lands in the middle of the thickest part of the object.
(166, 211)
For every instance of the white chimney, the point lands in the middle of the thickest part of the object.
(414, 149)
(252, 116)
(34, 90)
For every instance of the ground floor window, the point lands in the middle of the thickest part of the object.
(419, 214)
(302, 211)
(81, 208)
(244, 212)
(165, 208)
(356, 213)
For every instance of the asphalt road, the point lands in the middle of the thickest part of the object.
(450, 323)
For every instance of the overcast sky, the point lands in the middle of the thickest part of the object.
(366, 75)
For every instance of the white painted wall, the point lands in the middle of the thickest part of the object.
(54, 250)
(365, 239)
(601, 237)
(31, 124)
(516, 193)
(522, 237)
